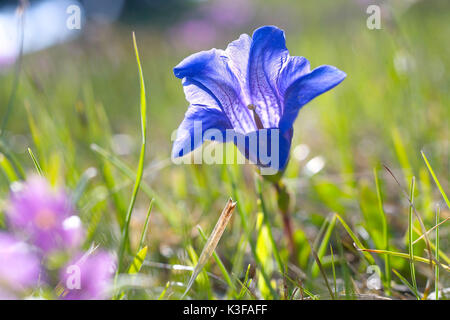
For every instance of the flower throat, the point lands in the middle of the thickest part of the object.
(257, 119)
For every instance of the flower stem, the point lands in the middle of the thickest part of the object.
(283, 200)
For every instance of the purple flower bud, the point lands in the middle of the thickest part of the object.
(19, 267)
(44, 216)
(89, 277)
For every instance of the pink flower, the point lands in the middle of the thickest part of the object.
(89, 277)
(44, 216)
(19, 267)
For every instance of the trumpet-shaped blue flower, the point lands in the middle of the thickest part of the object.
(253, 88)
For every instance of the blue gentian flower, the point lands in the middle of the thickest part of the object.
(254, 89)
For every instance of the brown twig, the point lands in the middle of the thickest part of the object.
(212, 242)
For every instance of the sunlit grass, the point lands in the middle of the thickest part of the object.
(347, 216)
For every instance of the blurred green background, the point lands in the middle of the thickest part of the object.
(393, 104)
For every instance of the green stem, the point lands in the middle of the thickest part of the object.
(283, 200)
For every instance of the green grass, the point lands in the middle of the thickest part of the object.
(436, 272)
(71, 102)
(140, 170)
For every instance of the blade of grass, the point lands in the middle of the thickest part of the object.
(163, 293)
(245, 284)
(348, 283)
(8, 168)
(140, 170)
(424, 230)
(441, 254)
(321, 233)
(410, 237)
(406, 256)
(234, 188)
(323, 245)
(8, 154)
(387, 262)
(302, 289)
(310, 294)
(355, 239)
(441, 190)
(436, 268)
(264, 252)
(136, 266)
(430, 230)
(334, 269)
(243, 217)
(35, 134)
(117, 198)
(145, 229)
(322, 271)
(406, 283)
(212, 242)
(400, 150)
(246, 289)
(36, 163)
(263, 208)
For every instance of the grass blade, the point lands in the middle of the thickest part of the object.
(145, 229)
(422, 225)
(410, 238)
(138, 261)
(345, 270)
(406, 256)
(400, 150)
(245, 284)
(136, 265)
(430, 230)
(436, 268)
(387, 260)
(406, 283)
(269, 228)
(140, 170)
(9, 155)
(247, 230)
(355, 239)
(8, 168)
(163, 293)
(441, 254)
(36, 163)
(334, 269)
(323, 245)
(435, 179)
(322, 271)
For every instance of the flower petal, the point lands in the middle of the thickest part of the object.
(267, 148)
(212, 80)
(268, 54)
(293, 69)
(239, 51)
(306, 88)
(197, 120)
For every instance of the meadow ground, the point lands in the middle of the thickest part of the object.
(356, 165)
